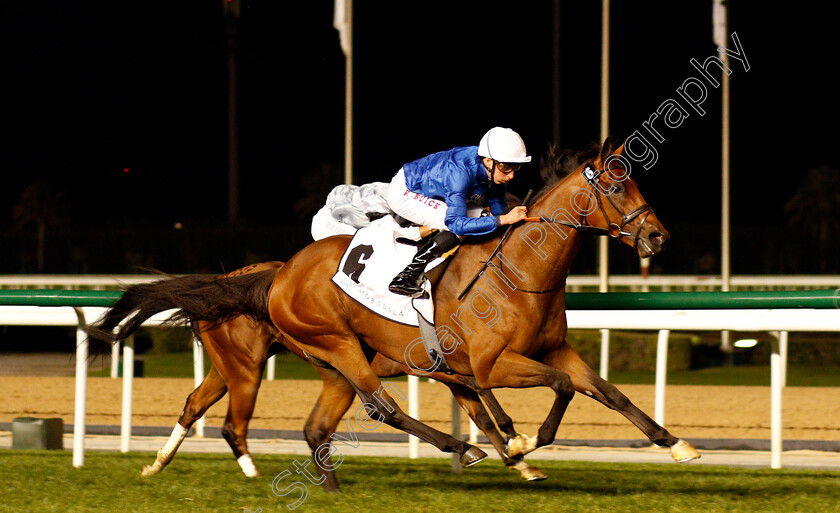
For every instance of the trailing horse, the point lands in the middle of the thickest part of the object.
(238, 349)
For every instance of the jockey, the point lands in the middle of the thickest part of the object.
(433, 191)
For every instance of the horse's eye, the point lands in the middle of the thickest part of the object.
(618, 189)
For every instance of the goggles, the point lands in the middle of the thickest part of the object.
(507, 168)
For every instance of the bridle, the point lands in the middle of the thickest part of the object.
(613, 230)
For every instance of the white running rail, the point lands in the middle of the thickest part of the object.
(663, 321)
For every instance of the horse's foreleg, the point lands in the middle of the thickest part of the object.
(505, 423)
(501, 417)
(470, 401)
(588, 382)
(513, 370)
(503, 420)
(352, 363)
(336, 398)
(208, 392)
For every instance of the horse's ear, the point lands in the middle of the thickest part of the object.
(619, 150)
(606, 149)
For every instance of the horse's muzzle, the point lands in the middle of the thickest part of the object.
(652, 242)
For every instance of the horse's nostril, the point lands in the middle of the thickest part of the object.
(657, 238)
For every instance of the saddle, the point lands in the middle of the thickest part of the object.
(374, 256)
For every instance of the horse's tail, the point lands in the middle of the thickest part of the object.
(196, 298)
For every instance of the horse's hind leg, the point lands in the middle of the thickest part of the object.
(467, 392)
(239, 349)
(335, 399)
(588, 382)
(470, 401)
(347, 357)
(208, 392)
(243, 397)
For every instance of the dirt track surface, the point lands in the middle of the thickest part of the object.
(810, 413)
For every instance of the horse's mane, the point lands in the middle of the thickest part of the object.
(558, 163)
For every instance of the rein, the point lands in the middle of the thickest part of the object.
(495, 251)
(613, 230)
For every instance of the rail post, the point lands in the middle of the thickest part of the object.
(81, 391)
(127, 393)
(270, 367)
(775, 406)
(413, 412)
(456, 433)
(661, 376)
(604, 370)
(198, 377)
(115, 359)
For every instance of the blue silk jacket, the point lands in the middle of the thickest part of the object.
(454, 176)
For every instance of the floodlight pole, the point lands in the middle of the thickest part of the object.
(348, 96)
(603, 248)
(555, 73)
(725, 262)
(233, 10)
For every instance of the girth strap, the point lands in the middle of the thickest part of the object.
(433, 348)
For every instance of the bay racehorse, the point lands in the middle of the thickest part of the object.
(238, 349)
(508, 332)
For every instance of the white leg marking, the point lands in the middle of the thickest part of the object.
(165, 455)
(521, 444)
(248, 466)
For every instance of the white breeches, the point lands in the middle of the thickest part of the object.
(415, 207)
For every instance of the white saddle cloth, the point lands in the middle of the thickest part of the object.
(369, 264)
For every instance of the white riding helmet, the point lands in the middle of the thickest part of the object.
(503, 145)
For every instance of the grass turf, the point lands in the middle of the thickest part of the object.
(45, 481)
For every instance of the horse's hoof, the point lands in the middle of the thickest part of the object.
(534, 474)
(148, 470)
(520, 445)
(683, 451)
(529, 473)
(472, 456)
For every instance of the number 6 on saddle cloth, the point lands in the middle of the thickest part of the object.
(364, 273)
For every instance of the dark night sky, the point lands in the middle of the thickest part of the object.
(92, 88)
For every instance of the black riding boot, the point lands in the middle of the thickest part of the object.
(410, 280)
